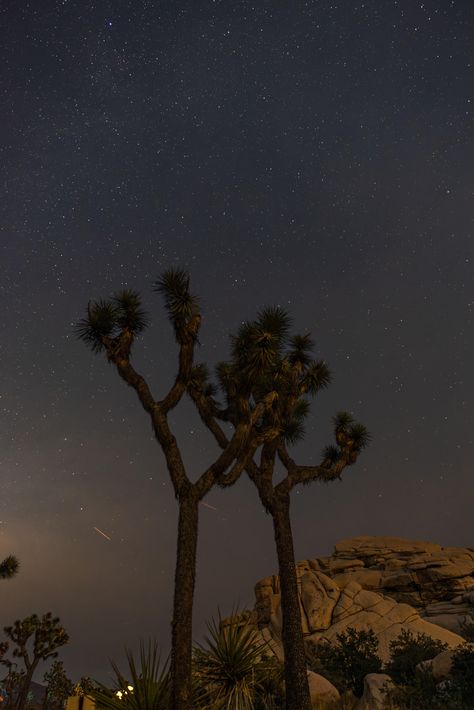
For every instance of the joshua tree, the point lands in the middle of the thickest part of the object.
(9, 567)
(267, 364)
(35, 640)
(111, 327)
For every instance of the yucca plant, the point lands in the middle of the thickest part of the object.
(145, 687)
(232, 669)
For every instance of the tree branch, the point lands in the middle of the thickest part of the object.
(186, 357)
(119, 354)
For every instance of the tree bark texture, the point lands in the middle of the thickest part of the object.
(296, 677)
(20, 703)
(182, 624)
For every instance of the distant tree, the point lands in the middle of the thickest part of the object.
(267, 364)
(35, 639)
(9, 567)
(58, 686)
(111, 326)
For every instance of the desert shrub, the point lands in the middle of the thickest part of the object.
(421, 693)
(407, 651)
(347, 662)
(467, 630)
(459, 688)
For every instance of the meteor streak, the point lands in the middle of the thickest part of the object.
(102, 533)
(211, 507)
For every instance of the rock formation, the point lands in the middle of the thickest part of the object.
(381, 583)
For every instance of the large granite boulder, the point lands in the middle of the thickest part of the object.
(385, 584)
(321, 691)
(376, 688)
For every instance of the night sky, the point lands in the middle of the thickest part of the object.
(317, 155)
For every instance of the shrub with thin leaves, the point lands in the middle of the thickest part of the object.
(146, 686)
(233, 672)
(422, 693)
(459, 688)
(407, 651)
(467, 630)
(347, 662)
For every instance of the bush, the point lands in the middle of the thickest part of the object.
(467, 630)
(348, 661)
(459, 688)
(407, 651)
(421, 694)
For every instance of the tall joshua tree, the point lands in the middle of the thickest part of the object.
(111, 327)
(268, 364)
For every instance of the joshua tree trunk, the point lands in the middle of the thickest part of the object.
(296, 678)
(182, 624)
(24, 688)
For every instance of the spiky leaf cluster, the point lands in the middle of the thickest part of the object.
(351, 438)
(9, 567)
(107, 319)
(146, 686)
(231, 669)
(181, 304)
(266, 359)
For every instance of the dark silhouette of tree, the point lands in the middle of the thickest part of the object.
(35, 639)
(58, 686)
(267, 364)
(111, 326)
(9, 567)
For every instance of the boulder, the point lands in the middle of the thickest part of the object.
(376, 686)
(386, 584)
(322, 692)
(440, 665)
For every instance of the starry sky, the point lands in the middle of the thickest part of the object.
(316, 155)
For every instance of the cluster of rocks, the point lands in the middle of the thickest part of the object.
(385, 584)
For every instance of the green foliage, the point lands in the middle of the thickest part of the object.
(58, 686)
(422, 693)
(180, 303)
(129, 312)
(460, 686)
(348, 661)
(467, 630)
(146, 688)
(107, 319)
(233, 671)
(407, 651)
(9, 567)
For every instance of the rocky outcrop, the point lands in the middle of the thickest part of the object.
(385, 584)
